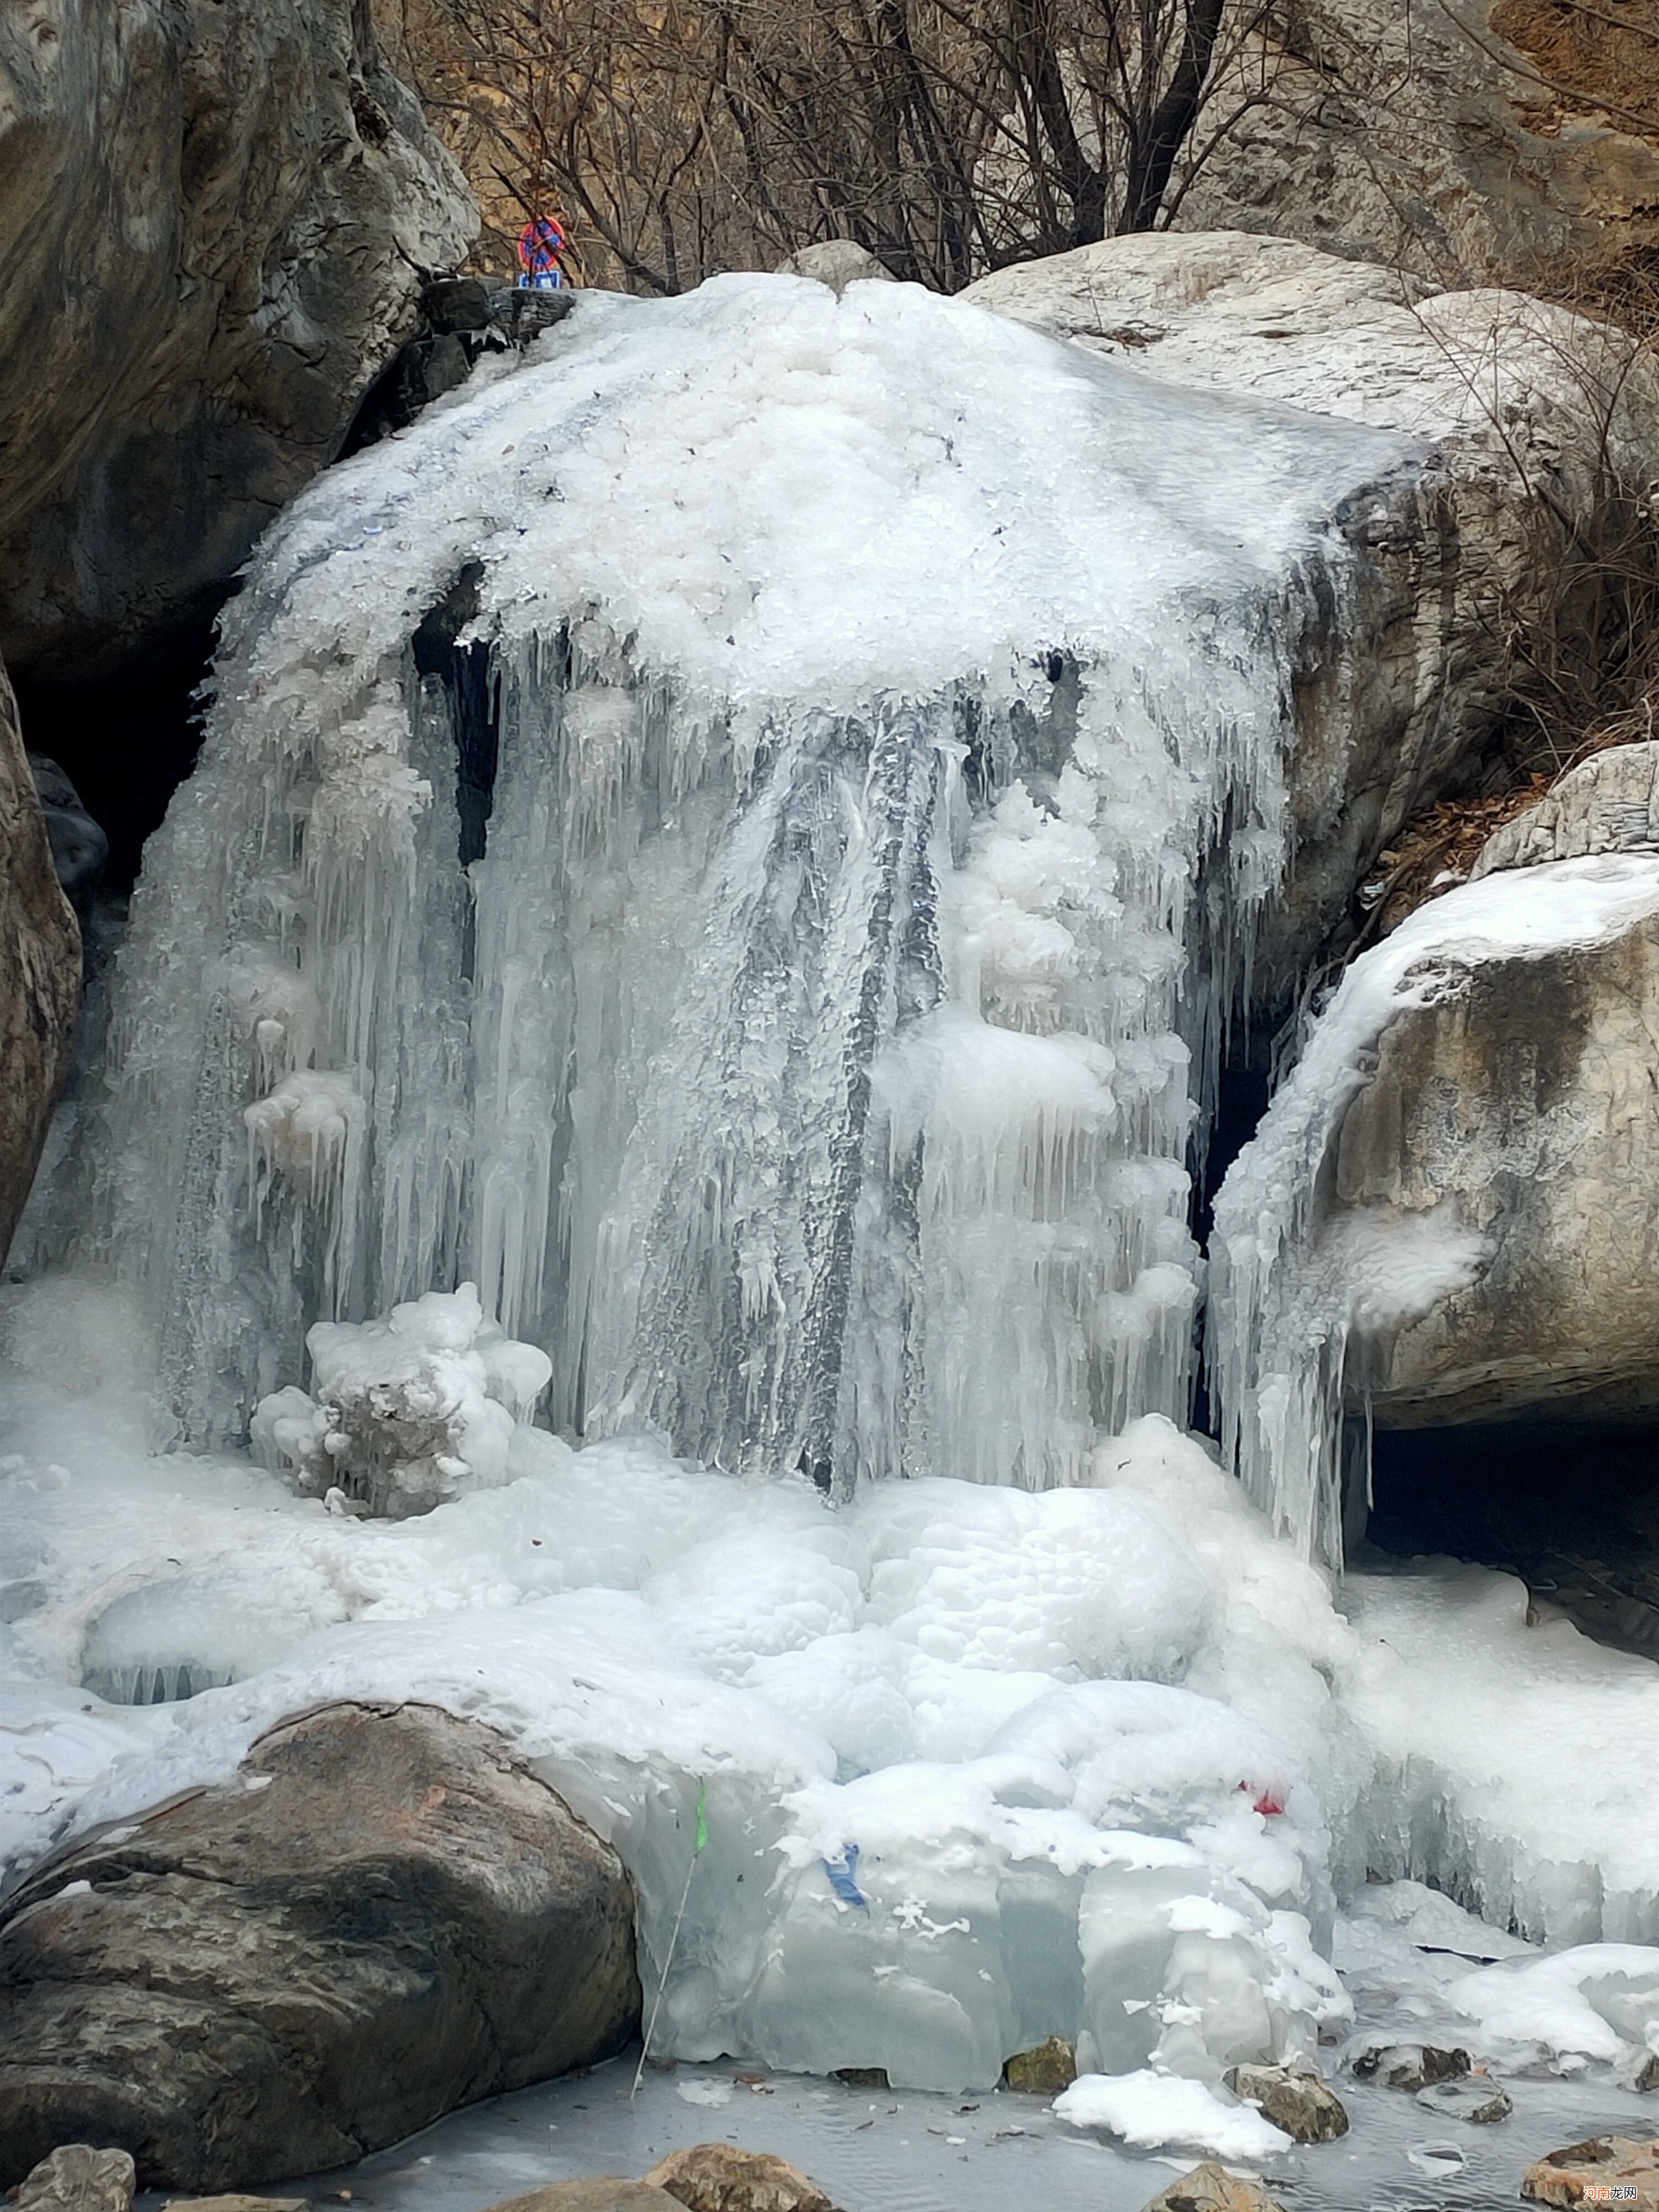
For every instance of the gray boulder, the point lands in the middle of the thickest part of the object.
(216, 219)
(40, 973)
(382, 1915)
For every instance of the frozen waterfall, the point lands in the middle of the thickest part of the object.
(734, 836)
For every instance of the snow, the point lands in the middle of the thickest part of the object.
(1594, 2000)
(892, 706)
(1295, 1295)
(1155, 2110)
(981, 1765)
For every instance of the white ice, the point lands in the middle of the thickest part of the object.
(1152, 2110)
(980, 1765)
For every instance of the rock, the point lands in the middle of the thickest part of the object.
(1621, 2169)
(1609, 803)
(80, 850)
(1476, 2097)
(1522, 404)
(76, 2178)
(838, 263)
(459, 304)
(1647, 2075)
(1300, 2103)
(720, 2177)
(1515, 1098)
(603, 2193)
(216, 219)
(1497, 142)
(40, 973)
(381, 1916)
(1211, 2188)
(237, 2202)
(1410, 2065)
(1045, 2071)
(863, 2077)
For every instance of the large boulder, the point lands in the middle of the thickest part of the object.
(1487, 142)
(1535, 422)
(40, 973)
(381, 1916)
(1450, 1213)
(215, 217)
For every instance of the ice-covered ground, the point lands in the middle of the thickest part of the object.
(980, 1765)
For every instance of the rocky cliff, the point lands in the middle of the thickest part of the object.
(215, 216)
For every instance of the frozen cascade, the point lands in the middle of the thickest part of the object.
(889, 708)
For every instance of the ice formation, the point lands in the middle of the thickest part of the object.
(729, 836)
(1300, 1292)
(732, 843)
(409, 1411)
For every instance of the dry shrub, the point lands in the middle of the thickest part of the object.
(679, 137)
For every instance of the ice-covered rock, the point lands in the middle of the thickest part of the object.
(1537, 417)
(408, 1411)
(1155, 2110)
(1449, 1211)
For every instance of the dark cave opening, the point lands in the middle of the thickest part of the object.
(125, 742)
(1571, 1508)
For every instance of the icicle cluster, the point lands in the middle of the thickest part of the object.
(875, 708)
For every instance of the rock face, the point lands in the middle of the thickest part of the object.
(40, 973)
(1505, 141)
(1607, 804)
(1521, 1096)
(215, 216)
(1531, 415)
(380, 1916)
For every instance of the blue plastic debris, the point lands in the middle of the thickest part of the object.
(841, 1872)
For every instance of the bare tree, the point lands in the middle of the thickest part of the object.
(946, 136)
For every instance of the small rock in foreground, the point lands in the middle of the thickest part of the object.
(1211, 2188)
(1621, 2169)
(599, 2193)
(863, 2077)
(1410, 2065)
(1475, 2097)
(1300, 2103)
(76, 2178)
(1045, 2071)
(237, 2203)
(715, 2177)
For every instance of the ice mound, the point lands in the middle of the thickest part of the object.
(886, 708)
(1156, 2111)
(1295, 1293)
(960, 1791)
(1597, 2001)
(408, 1411)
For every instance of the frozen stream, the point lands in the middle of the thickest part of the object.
(913, 2153)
